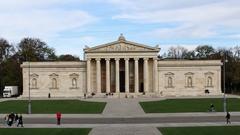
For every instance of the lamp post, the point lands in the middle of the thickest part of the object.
(29, 93)
(224, 86)
(1, 76)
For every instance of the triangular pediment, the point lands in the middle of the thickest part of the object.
(53, 75)
(169, 74)
(122, 46)
(34, 75)
(209, 73)
(74, 75)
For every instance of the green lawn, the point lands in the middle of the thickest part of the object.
(223, 130)
(44, 131)
(53, 106)
(189, 105)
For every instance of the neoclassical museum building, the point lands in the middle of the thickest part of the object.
(124, 69)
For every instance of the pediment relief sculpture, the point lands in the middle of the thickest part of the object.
(121, 47)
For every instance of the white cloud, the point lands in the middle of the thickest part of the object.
(194, 18)
(42, 23)
(14, 5)
(186, 31)
(43, 19)
(234, 36)
(77, 45)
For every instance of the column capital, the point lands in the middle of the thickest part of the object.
(88, 59)
(136, 59)
(155, 58)
(145, 59)
(126, 58)
(107, 59)
(98, 59)
(117, 59)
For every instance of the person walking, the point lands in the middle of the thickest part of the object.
(6, 120)
(212, 108)
(11, 119)
(58, 116)
(20, 121)
(16, 119)
(228, 116)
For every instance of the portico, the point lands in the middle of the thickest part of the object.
(121, 67)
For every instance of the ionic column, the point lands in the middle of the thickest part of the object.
(155, 75)
(117, 75)
(107, 75)
(136, 82)
(98, 75)
(88, 75)
(126, 75)
(145, 75)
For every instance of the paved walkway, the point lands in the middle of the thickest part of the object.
(123, 107)
(126, 125)
(148, 115)
(130, 130)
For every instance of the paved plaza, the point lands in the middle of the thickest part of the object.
(126, 117)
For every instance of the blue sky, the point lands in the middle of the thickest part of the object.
(69, 25)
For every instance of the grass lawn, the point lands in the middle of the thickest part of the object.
(44, 131)
(222, 130)
(189, 105)
(53, 106)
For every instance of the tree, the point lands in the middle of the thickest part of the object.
(189, 55)
(12, 73)
(33, 49)
(29, 49)
(68, 57)
(5, 49)
(203, 51)
(178, 52)
(236, 52)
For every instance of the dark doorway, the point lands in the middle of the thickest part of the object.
(141, 87)
(122, 81)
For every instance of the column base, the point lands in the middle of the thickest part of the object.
(125, 95)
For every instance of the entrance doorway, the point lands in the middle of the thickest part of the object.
(122, 81)
(141, 87)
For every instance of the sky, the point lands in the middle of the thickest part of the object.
(70, 25)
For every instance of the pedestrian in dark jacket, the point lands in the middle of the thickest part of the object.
(228, 116)
(20, 121)
(11, 119)
(16, 118)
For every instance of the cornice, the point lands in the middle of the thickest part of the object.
(190, 63)
(81, 64)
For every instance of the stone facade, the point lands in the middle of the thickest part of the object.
(189, 78)
(123, 68)
(60, 79)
